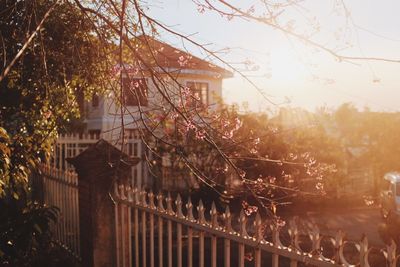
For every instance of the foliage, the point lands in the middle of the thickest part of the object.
(375, 134)
(194, 142)
(38, 98)
(193, 152)
(271, 163)
(65, 61)
(24, 232)
(69, 59)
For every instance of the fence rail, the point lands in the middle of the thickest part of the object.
(158, 230)
(155, 221)
(70, 145)
(60, 189)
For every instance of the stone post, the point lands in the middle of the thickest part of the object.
(98, 167)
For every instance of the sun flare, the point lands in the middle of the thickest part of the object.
(286, 66)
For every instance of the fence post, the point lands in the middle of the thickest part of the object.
(98, 167)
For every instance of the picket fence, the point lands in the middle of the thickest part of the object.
(159, 230)
(70, 145)
(59, 188)
(194, 239)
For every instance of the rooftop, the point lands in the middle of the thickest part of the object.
(168, 58)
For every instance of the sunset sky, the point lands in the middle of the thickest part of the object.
(287, 68)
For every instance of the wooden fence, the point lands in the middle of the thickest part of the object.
(163, 231)
(60, 189)
(70, 145)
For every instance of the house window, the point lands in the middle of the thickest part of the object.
(200, 91)
(135, 91)
(132, 133)
(94, 134)
(95, 100)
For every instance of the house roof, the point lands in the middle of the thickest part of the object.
(168, 58)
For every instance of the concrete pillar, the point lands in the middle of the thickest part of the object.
(98, 167)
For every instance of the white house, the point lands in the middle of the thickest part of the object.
(103, 113)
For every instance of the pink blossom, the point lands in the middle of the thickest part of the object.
(248, 256)
(238, 123)
(186, 91)
(248, 209)
(319, 186)
(280, 222)
(190, 126)
(174, 115)
(183, 61)
(215, 117)
(225, 123)
(227, 135)
(115, 71)
(253, 151)
(368, 200)
(201, 134)
(196, 96)
(271, 179)
(135, 84)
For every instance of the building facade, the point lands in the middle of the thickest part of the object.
(162, 70)
(169, 70)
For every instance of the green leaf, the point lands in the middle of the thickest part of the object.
(15, 195)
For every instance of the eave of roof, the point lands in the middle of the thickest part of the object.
(167, 57)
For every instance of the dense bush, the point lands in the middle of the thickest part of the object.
(25, 233)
